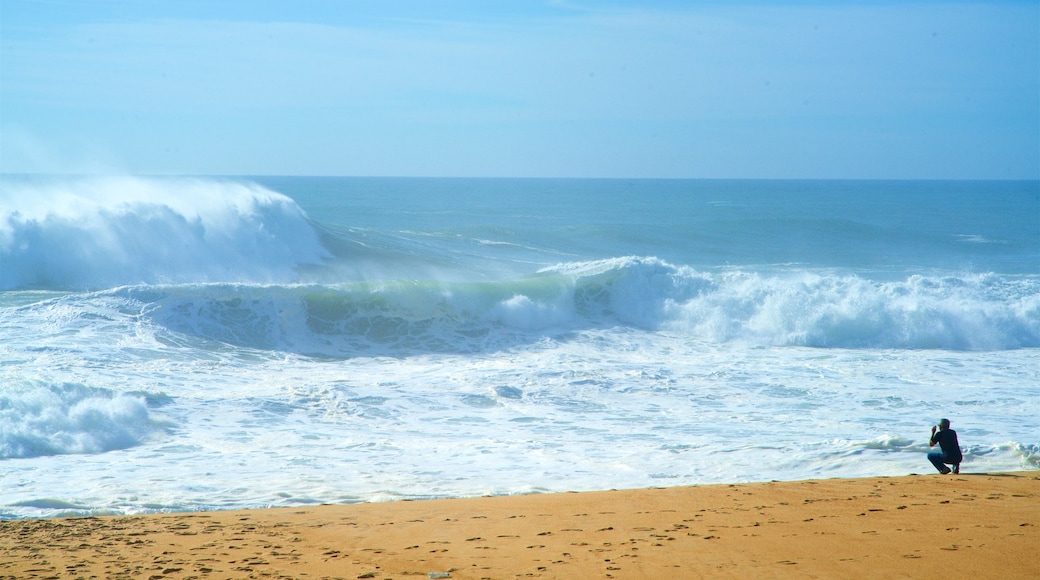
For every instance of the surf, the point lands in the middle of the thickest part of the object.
(643, 294)
(95, 233)
(60, 419)
(378, 338)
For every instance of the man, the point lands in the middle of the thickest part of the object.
(951, 448)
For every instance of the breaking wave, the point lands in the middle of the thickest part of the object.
(71, 419)
(971, 312)
(105, 232)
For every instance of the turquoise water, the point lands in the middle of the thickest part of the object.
(206, 343)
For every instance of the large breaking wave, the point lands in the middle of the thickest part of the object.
(401, 318)
(103, 232)
(236, 263)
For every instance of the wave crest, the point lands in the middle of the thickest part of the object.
(972, 312)
(401, 318)
(964, 312)
(107, 232)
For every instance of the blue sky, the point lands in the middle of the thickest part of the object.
(811, 89)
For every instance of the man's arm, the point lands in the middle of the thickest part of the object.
(931, 441)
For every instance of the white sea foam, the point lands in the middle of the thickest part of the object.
(603, 408)
(525, 314)
(357, 369)
(70, 419)
(403, 318)
(973, 312)
(104, 232)
(967, 313)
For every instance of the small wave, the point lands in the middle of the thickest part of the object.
(71, 419)
(107, 232)
(48, 503)
(885, 443)
(843, 456)
(975, 239)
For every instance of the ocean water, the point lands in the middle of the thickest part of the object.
(210, 343)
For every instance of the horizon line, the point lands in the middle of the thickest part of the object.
(510, 177)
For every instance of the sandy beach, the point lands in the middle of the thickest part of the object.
(917, 526)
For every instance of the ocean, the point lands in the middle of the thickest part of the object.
(177, 344)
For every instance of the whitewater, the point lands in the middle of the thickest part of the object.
(171, 344)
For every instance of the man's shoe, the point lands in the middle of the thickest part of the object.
(956, 469)
(945, 470)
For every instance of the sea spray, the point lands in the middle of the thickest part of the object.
(447, 338)
(402, 318)
(93, 233)
(70, 419)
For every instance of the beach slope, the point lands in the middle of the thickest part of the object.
(967, 526)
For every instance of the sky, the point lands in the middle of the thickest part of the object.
(633, 89)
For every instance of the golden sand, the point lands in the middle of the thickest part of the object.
(919, 526)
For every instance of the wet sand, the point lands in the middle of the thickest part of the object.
(919, 526)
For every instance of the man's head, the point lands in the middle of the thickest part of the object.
(944, 423)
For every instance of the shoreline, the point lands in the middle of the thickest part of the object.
(981, 525)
